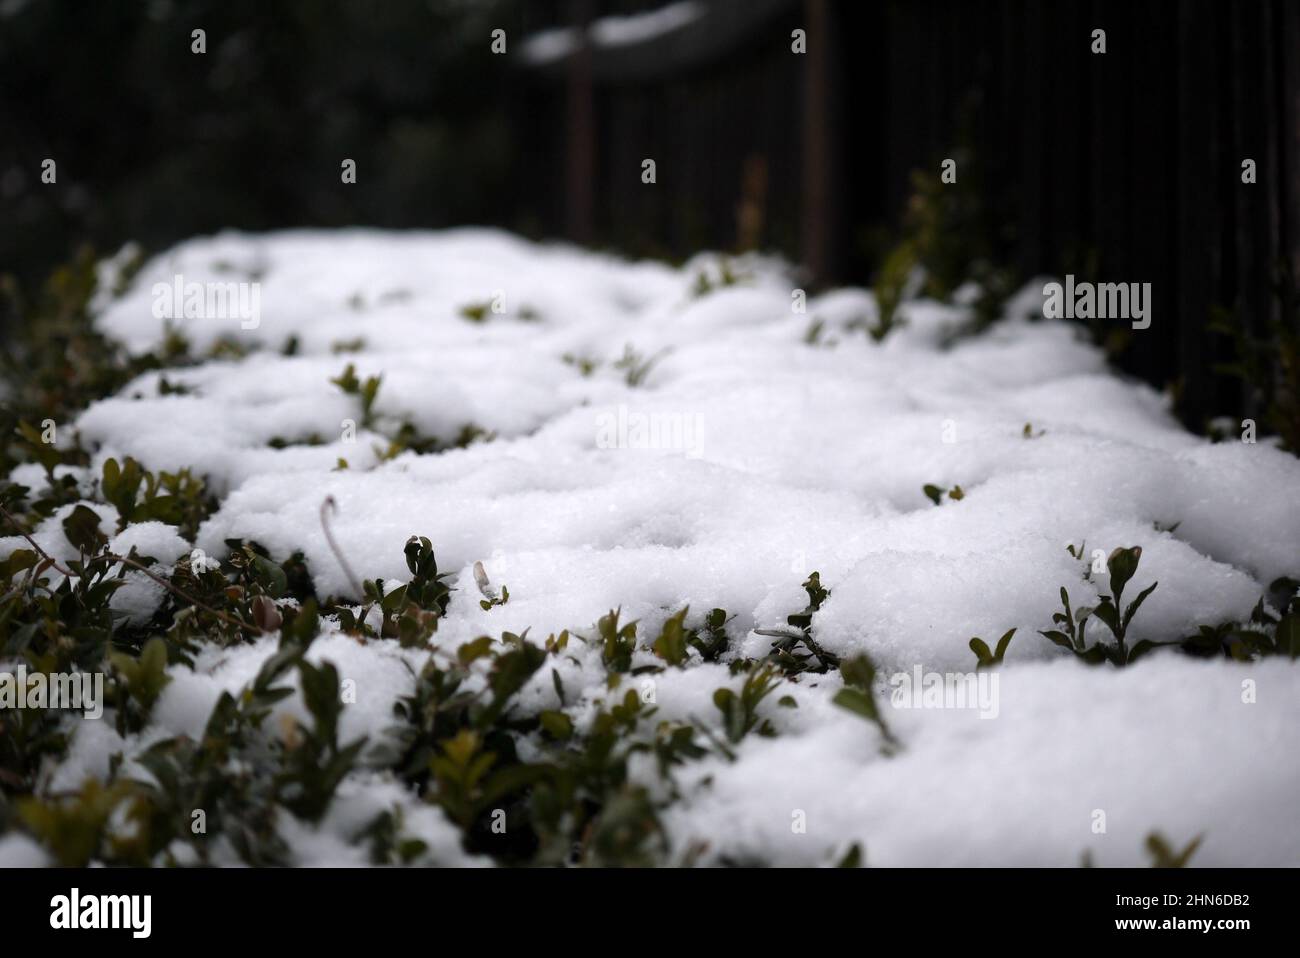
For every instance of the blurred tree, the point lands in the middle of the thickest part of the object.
(155, 142)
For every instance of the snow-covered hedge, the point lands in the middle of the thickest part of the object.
(470, 550)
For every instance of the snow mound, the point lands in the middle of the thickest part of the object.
(649, 447)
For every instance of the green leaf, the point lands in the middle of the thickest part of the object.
(270, 575)
(557, 724)
(1163, 854)
(1108, 614)
(509, 674)
(853, 858)
(671, 645)
(1142, 648)
(368, 393)
(81, 526)
(1060, 638)
(1121, 564)
(395, 600)
(347, 380)
(618, 643)
(1287, 636)
(1002, 645)
(20, 560)
(1133, 606)
(476, 649)
(146, 676)
(301, 626)
(121, 487)
(857, 702)
(859, 672)
(1095, 655)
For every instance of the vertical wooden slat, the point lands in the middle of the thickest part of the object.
(816, 139)
(1135, 154)
(580, 171)
(1034, 158)
(1287, 39)
(1111, 146)
(1196, 209)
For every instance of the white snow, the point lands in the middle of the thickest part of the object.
(638, 27)
(775, 458)
(1170, 748)
(547, 46)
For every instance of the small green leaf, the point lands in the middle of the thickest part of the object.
(557, 724)
(671, 645)
(271, 575)
(1135, 604)
(1287, 636)
(1060, 638)
(1108, 614)
(81, 526)
(853, 858)
(858, 702)
(1121, 564)
(476, 649)
(1141, 649)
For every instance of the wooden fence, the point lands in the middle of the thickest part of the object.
(1125, 164)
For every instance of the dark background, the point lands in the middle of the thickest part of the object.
(1121, 167)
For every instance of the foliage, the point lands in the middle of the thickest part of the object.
(1164, 855)
(786, 652)
(635, 366)
(58, 363)
(947, 238)
(936, 493)
(1072, 632)
(365, 391)
(1268, 361)
(726, 277)
(987, 658)
(859, 695)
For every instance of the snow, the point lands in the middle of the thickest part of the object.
(50, 536)
(615, 31)
(547, 46)
(19, 851)
(140, 597)
(774, 457)
(1172, 748)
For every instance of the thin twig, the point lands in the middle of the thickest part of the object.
(44, 555)
(110, 557)
(328, 506)
(229, 620)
